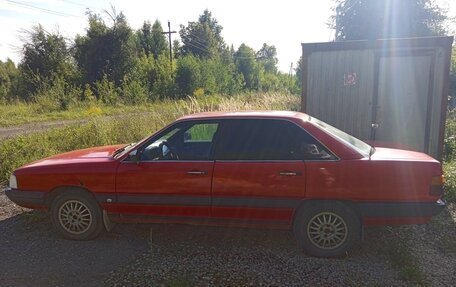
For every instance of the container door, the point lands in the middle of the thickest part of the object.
(404, 87)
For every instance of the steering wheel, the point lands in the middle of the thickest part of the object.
(167, 151)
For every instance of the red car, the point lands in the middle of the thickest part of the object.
(274, 169)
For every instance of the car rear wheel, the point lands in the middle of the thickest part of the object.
(76, 215)
(327, 229)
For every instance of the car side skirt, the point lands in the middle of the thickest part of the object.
(206, 221)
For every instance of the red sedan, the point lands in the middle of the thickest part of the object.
(274, 169)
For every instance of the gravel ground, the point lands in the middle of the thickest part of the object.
(177, 255)
(31, 253)
(208, 256)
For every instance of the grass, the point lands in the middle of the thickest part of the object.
(405, 262)
(17, 151)
(22, 113)
(181, 281)
(19, 114)
(449, 169)
(449, 244)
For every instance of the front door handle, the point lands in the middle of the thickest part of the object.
(289, 173)
(196, 172)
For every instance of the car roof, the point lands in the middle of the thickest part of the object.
(247, 114)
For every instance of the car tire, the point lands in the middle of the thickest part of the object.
(76, 215)
(326, 229)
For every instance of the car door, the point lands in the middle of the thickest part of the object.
(175, 185)
(258, 172)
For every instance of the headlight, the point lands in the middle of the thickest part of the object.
(13, 182)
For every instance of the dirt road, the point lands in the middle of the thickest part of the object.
(6, 132)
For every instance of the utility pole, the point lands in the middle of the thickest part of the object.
(291, 74)
(291, 70)
(170, 46)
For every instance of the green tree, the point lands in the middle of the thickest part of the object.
(45, 56)
(8, 80)
(247, 66)
(453, 79)
(176, 48)
(104, 50)
(202, 38)
(374, 19)
(267, 57)
(151, 39)
(188, 76)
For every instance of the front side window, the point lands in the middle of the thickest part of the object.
(249, 139)
(184, 141)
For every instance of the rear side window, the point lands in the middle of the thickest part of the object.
(249, 139)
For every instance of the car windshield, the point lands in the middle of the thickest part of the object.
(362, 147)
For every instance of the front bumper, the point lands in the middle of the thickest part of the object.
(30, 199)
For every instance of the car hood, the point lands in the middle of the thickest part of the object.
(399, 154)
(96, 154)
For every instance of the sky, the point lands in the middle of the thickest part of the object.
(285, 23)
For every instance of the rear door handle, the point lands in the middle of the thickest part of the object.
(196, 172)
(289, 173)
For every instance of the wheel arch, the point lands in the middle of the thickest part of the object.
(56, 191)
(350, 204)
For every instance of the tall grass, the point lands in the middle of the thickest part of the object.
(21, 113)
(23, 149)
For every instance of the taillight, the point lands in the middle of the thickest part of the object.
(437, 183)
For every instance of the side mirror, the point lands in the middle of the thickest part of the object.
(165, 150)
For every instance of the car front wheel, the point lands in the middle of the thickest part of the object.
(327, 229)
(76, 215)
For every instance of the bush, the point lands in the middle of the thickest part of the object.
(134, 93)
(107, 92)
(449, 169)
(56, 95)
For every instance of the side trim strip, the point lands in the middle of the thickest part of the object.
(401, 209)
(198, 220)
(164, 200)
(142, 199)
(256, 202)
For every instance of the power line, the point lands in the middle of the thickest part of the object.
(79, 4)
(48, 11)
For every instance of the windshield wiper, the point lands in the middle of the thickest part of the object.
(120, 150)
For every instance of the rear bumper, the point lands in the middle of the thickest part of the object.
(30, 199)
(401, 209)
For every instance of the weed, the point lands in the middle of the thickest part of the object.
(449, 169)
(403, 260)
(449, 244)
